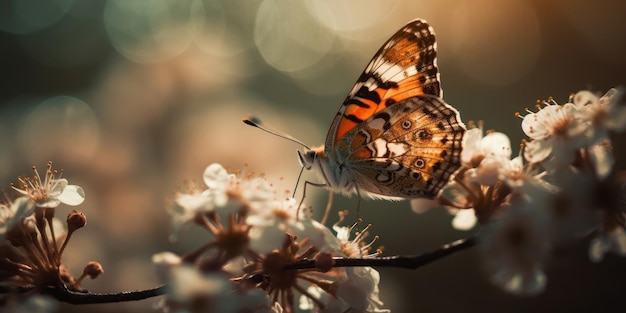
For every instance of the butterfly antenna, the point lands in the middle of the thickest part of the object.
(256, 122)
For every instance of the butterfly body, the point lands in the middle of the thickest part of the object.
(393, 137)
(334, 174)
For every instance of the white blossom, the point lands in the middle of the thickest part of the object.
(556, 132)
(269, 227)
(224, 194)
(464, 219)
(13, 213)
(50, 191)
(514, 249)
(603, 114)
(353, 289)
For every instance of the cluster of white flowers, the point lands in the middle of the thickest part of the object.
(256, 232)
(35, 206)
(33, 239)
(46, 193)
(557, 189)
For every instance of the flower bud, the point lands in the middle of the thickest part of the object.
(75, 220)
(93, 269)
(324, 262)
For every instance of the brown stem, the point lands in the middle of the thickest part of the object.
(55, 246)
(65, 241)
(41, 227)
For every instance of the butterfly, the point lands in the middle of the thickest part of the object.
(393, 136)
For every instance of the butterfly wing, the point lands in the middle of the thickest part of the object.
(408, 150)
(405, 66)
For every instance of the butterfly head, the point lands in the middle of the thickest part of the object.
(310, 157)
(332, 175)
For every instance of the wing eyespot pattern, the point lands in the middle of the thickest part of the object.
(420, 163)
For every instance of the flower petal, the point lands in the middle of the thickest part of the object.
(215, 176)
(471, 143)
(421, 205)
(533, 126)
(265, 239)
(464, 220)
(537, 150)
(72, 195)
(11, 215)
(58, 186)
(496, 144)
(488, 172)
(602, 159)
(583, 98)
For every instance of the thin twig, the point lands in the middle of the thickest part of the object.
(408, 262)
(65, 295)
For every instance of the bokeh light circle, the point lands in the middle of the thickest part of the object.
(211, 32)
(60, 127)
(288, 38)
(148, 31)
(350, 15)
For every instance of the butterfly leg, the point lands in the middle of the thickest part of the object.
(329, 204)
(306, 183)
(358, 203)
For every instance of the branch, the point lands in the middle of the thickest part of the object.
(408, 262)
(65, 295)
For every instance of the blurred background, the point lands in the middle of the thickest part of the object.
(133, 98)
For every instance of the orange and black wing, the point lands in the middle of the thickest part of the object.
(404, 67)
